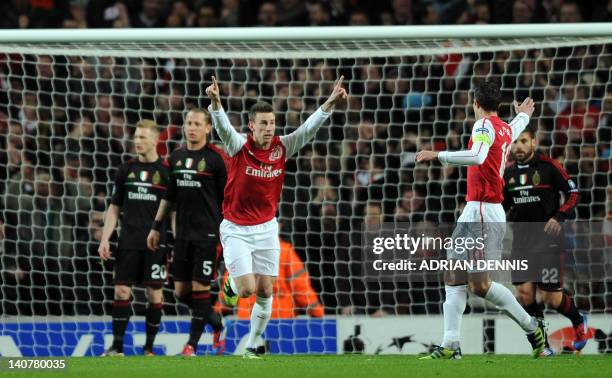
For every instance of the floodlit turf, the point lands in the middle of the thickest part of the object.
(330, 366)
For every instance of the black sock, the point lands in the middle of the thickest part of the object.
(121, 316)
(185, 299)
(200, 312)
(153, 318)
(214, 319)
(569, 310)
(534, 309)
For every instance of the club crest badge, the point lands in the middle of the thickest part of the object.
(201, 165)
(536, 178)
(144, 175)
(523, 179)
(156, 178)
(276, 153)
(189, 163)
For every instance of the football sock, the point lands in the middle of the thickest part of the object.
(185, 299)
(454, 306)
(500, 296)
(260, 315)
(214, 319)
(121, 316)
(200, 311)
(153, 318)
(568, 309)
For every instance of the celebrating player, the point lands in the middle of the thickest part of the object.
(249, 231)
(197, 179)
(140, 185)
(483, 214)
(531, 193)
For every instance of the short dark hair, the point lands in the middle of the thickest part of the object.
(488, 95)
(531, 130)
(260, 107)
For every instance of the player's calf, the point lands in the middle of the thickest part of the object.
(121, 313)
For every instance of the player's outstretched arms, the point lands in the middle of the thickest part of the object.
(110, 222)
(232, 140)
(524, 111)
(296, 140)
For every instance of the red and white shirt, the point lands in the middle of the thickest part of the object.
(255, 176)
(486, 156)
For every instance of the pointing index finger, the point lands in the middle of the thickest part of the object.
(339, 82)
(214, 80)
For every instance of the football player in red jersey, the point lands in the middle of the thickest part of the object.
(256, 171)
(483, 216)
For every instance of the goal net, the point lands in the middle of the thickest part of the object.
(68, 111)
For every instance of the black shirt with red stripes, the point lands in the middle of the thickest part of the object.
(197, 181)
(139, 188)
(533, 190)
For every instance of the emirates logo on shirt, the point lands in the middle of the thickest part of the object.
(265, 171)
(276, 153)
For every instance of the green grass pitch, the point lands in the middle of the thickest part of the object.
(330, 366)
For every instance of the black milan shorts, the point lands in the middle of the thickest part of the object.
(195, 260)
(140, 267)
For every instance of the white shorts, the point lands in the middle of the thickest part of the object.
(482, 212)
(250, 249)
(484, 220)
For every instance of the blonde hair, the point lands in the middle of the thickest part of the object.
(149, 125)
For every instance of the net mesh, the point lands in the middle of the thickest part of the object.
(67, 113)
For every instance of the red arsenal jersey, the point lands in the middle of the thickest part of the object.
(254, 182)
(485, 182)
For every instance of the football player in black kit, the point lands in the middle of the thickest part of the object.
(532, 194)
(197, 180)
(140, 185)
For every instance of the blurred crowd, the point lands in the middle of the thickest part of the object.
(66, 125)
(233, 13)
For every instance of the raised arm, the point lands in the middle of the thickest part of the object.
(299, 138)
(523, 113)
(232, 140)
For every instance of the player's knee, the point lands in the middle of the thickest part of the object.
(265, 292)
(246, 291)
(551, 298)
(524, 296)
(480, 288)
(122, 292)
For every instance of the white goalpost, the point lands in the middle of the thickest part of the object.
(70, 100)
